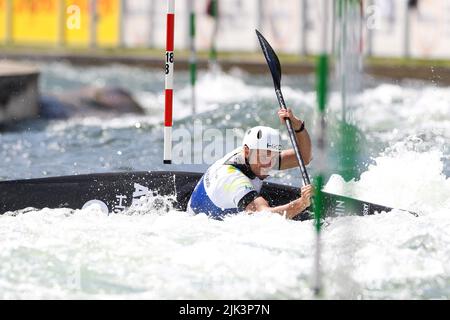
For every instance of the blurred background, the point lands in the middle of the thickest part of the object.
(402, 28)
(397, 39)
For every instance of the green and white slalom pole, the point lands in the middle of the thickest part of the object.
(213, 48)
(8, 22)
(93, 24)
(322, 90)
(193, 56)
(169, 69)
(349, 71)
(349, 12)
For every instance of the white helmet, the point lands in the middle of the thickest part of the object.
(262, 138)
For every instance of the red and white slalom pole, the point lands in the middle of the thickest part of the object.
(169, 69)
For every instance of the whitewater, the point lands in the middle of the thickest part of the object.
(146, 253)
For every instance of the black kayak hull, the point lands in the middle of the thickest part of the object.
(115, 192)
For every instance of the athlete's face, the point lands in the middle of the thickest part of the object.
(261, 161)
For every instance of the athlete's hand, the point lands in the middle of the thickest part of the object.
(283, 114)
(305, 197)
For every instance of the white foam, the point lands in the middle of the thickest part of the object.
(401, 178)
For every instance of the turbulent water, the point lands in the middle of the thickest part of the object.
(404, 131)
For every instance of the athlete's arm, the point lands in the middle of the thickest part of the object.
(288, 158)
(291, 209)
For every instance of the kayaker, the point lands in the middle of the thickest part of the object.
(233, 183)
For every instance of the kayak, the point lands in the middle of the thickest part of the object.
(116, 192)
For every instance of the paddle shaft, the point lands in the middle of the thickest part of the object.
(293, 138)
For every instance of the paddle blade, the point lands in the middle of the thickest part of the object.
(271, 58)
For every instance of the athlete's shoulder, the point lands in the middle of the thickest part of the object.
(230, 156)
(228, 170)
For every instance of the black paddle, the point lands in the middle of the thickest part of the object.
(335, 204)
(275, 69)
